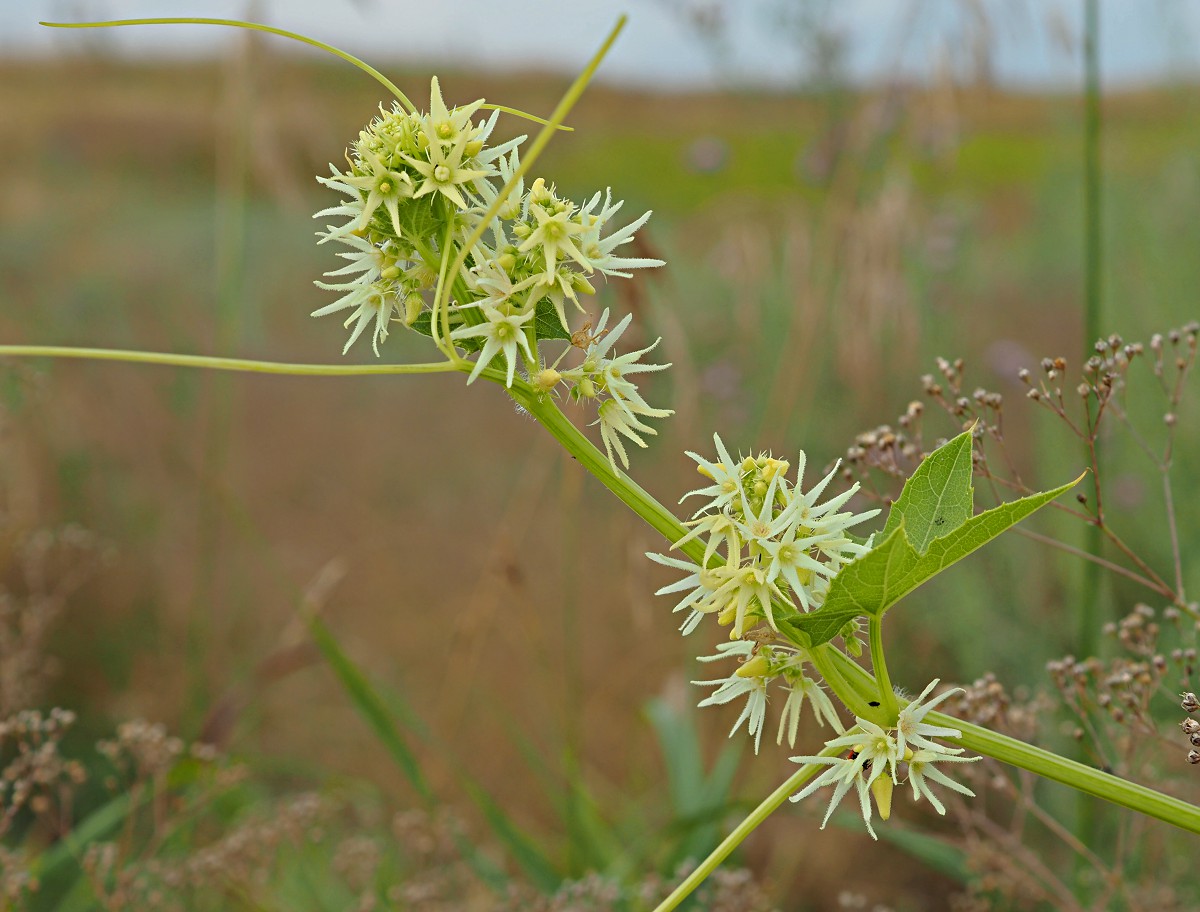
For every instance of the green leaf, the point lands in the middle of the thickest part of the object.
(379, 716)
(419, 218)
(894, 568)
(546, 322)
(699, 799)
(58, 865)
(369, 705)
(539, 868)
(423, 323)
(938, 497)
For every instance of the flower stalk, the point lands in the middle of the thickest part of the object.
(887, 694)
(764, 810)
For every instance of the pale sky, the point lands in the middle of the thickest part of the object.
(1034, 42)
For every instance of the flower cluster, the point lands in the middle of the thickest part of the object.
(872, 759)
(606, 379)
(418, 187)
(761, 664)
(770, 549)
(780, 548)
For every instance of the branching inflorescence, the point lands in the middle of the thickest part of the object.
(424, 189)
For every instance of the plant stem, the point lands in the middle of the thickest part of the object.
(1092, 585)
(741, 831)
(1079, 776)
(244, 365)
(539, 143)
(585, 452)
(253, 26)
(887, 694)
(1049, 765)
(853, 699)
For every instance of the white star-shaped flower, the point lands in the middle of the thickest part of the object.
(501, 333)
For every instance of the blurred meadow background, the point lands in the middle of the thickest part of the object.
(890, 186)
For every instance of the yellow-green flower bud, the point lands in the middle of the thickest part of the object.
(582, 285)
(390, 272)
(774, 467)
(757, 667)
(882, 788)
(412, 308)
(546, 379)
(539, 193)
(423, 276)
(587, 389)
(472, 148)
(506, 261)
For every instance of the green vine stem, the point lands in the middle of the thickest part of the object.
(768, 806)
(1047, 764)
(887, 694)
(254, 27)
(245, 365)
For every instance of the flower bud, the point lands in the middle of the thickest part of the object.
(546, 379)
(774, 467)
(882, 788)
(757, 667)
(412, 308)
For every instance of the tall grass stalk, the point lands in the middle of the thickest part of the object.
(229, 234)
(570, 491)
(1092, 584)
(1089, 627)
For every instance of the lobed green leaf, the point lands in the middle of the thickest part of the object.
(894, 568)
